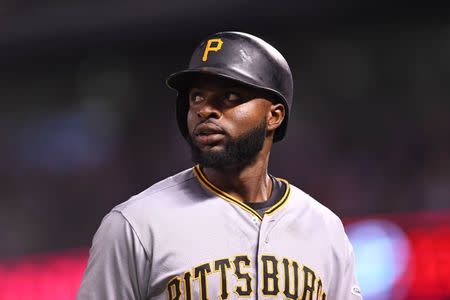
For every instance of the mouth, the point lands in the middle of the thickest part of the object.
(209, 139)
(208, 133)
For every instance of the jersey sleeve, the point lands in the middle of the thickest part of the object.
(347, 287)
(118, 266)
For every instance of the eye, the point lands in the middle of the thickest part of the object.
(196, 98)
(233, 97)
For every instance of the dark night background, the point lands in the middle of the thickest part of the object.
(86, 120)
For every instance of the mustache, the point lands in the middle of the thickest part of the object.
(208, 126)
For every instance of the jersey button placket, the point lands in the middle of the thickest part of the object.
(263, 241)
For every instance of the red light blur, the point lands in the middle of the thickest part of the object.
(58, 275)
(52, 276)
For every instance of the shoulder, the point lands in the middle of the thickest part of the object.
(308, 204)
(315, 213)
(160, 192)
(148, 208)
(168, 195)
(321, 220)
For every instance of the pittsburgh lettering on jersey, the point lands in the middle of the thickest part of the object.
(279, 276)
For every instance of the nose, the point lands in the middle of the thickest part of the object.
(209, 108)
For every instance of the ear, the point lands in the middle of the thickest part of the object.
(276, 116)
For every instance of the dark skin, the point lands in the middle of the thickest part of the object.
(220, 109)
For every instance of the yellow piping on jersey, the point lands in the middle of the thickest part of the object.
(283, 199)
(224, 195)
(198, 172)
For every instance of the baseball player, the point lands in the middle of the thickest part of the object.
(225, 228)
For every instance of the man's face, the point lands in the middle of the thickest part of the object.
(226, 122)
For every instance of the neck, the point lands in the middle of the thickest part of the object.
(248, 183)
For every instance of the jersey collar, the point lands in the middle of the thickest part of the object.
(224, 195)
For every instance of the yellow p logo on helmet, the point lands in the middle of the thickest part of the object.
(209, 47)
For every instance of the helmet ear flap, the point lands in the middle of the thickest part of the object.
(182, 107)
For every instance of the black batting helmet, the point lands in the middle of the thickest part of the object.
(238, 56)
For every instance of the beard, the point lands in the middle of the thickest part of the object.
(237, 151)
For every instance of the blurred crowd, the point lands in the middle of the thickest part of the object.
(84, 131)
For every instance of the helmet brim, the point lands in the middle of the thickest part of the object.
(182, 80)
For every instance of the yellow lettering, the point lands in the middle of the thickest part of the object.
(209, 47)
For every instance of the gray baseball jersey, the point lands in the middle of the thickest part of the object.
(184, 238)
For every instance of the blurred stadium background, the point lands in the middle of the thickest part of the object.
(86, 121)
